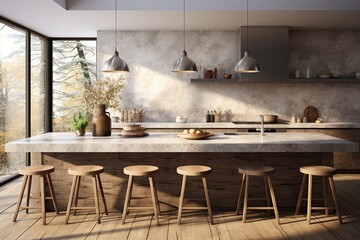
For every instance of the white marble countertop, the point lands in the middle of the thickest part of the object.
(230, 125)
(169, 142)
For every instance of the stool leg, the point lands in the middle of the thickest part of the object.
(128, 196)
(333, 192)
(70, 200)
(309, 200)
(42, 192)
(181, 199)
(207, 200)
(129, 202)
(52, 192)
(28, 194)
(20, 198)
(157, 199)
(301, 194)
(240, 194)
(267, 193)
(273, 200)
(96, 198)
(76, 193)
(155, 206)
(326, 201)
(102, 193)
(245, 198)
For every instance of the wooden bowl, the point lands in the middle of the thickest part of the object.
(227, 76)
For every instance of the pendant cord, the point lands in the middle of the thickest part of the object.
(115, 25)
(247, 25)
(184, 24)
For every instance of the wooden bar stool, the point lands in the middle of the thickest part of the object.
(44, 172)
(257, 171)
(141, 171)
(85, 170)
(194, 171)
(319, 171)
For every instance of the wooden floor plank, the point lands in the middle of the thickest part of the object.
(111, 227)
(256, 227)
(11, 230)
(9, 194)
(140, 225)
(78, 228)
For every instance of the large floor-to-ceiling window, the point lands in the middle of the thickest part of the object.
(74, 66)
(23, 64)
(39, 93)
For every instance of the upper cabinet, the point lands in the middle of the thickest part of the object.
(269, 46)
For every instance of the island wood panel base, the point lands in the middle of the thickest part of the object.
(224, 181)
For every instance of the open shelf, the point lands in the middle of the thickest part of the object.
(324, 80)
(215, 80)
(292, 80)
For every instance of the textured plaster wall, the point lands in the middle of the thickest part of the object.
(164, 95)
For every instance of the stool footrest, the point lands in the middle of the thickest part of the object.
(322, 208)
(140, 208)
(82, 208)
(30, 207)
(260, 208)
(194, 208)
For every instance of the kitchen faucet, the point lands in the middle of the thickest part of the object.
(262, 125)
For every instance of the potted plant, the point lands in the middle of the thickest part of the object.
(79, 124)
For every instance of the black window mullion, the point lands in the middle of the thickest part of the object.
(28, 92)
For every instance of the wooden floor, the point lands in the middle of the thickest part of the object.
(195, 225)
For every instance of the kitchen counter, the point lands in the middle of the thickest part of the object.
(286, 152)
(230, 125)
(169, 142)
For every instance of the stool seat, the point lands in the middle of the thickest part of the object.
(77, 172)
(148, 171)
(86, 170)
(256, 170)
(193, 170)
(36, 170)
(324, 171)
(43, 171)
(141, 170)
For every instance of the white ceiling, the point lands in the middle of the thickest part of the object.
(82, 18)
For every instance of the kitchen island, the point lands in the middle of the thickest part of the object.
(224, 153)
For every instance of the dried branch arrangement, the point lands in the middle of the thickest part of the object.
(102, 91)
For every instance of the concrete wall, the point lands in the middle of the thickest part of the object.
(164, 95)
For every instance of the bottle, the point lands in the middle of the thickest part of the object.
(215, 73)
(207, 116)
(212, 116)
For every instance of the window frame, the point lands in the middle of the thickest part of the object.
(48, 101)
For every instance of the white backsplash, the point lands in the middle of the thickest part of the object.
(164, 95)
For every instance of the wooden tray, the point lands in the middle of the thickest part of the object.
(195, 136)
(133, 134)
(142, 134)
(311, 114)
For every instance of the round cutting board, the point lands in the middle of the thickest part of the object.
(311, 113)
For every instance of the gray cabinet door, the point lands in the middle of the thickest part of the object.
(269, 46)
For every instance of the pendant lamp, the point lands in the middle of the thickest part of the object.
(247, 64)
(115, 63)
(184, 63)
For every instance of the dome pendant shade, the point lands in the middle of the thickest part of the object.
(184, 64)
(115, 64)
(247, 64)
